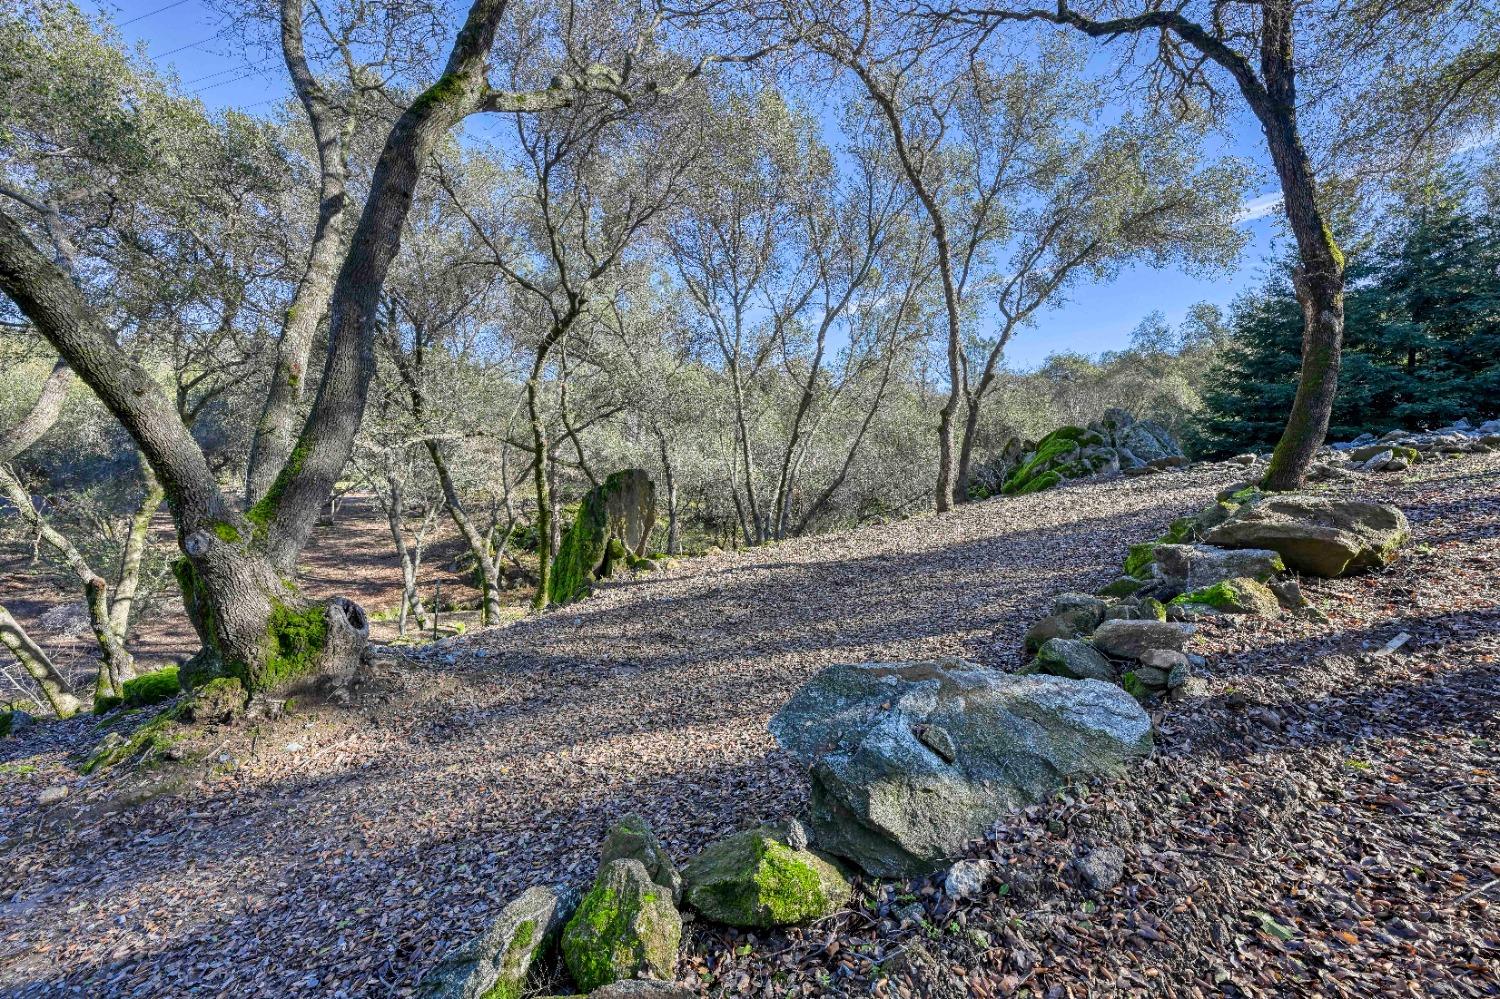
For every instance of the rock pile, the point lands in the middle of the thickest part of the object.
(1230, 558)
(1117, 443)
(1395, 451)
(622, 937)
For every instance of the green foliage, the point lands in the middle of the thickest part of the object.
(151, 688)
(1421, 338)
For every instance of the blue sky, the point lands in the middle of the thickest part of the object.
(190, 38)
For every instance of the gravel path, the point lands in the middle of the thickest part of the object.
(337, 852)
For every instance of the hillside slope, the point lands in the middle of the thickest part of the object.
(337, 852)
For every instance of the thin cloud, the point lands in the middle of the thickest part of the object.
(1258, 207)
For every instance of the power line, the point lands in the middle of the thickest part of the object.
(152, 13)
(210, 76)
(189, 45)
(222, 83)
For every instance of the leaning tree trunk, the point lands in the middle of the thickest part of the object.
(1319, 277)
(54, 686)
(1319, 283)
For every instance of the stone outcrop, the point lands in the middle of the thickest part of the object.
(909, 761)
(1115, 443)
(611, 529)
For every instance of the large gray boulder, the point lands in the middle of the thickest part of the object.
(495, 963)
(910, 761)
(1319, 535)
(1193, 567)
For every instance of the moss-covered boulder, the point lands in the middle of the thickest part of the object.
(1193, 567)
(1122, 587)
(494, 965)
(151, 688)
(1242, 595)
(1136, 609)
(632, 839)
(1074, 659)
(624, 927)
(1140, 559)
(611, 529)
(754, 879)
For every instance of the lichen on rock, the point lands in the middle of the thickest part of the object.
(626, 925)
(753, 879)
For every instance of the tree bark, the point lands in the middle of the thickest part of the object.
(1319, 278)
(128, 582)
(43, 414)
(54, 686)
(946, 486)
(271, 444)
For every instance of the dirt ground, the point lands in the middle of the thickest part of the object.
(1344, 795)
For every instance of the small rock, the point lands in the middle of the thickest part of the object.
(1163, 659)
(1130, 639)
(1074, 659)
(940, 740)
(912, 913)
(1102, 868)
(496, 962)
(967, 878)
(52, 795)
(631, 838)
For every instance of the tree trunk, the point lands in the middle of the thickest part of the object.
(129, 579)
(540, 477)
(116, 664)
(945, 487)
(1319, 277)
(43, 414)
(478, 546)
(271, 444)
(966, 450)
(54, 686)
(237, 571)
(674, 543)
